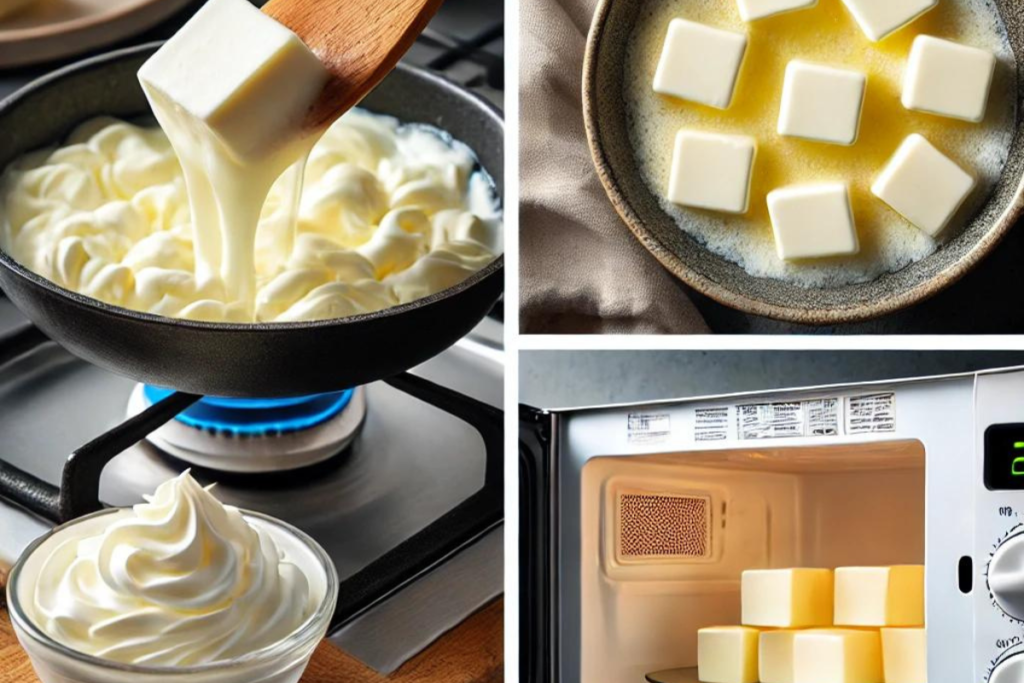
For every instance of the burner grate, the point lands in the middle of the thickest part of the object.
(78, 493)
(465, 43)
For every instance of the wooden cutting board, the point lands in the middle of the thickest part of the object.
(470, 653)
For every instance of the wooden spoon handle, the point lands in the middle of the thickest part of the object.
(359, 41)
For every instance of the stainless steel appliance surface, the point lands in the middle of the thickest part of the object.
(915, 471)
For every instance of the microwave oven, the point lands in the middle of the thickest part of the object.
(638, 520)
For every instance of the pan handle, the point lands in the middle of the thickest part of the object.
(80, 480)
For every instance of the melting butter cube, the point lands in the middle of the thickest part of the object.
(712, 171)
(812, 221)
(923, 185)
(752, 10)
(904, 655)
(700, 63)
(948, 79)
(879, 596)
(879, 18)
(821, 103)
(786, 598)
(837, 656)
(727, 654)
(258, 82)
(775, 656)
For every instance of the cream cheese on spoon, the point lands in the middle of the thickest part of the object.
(183, 580)
(231, 90)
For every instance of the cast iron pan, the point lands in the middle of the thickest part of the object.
(222, 359)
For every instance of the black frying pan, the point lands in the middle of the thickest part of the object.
(223, 359)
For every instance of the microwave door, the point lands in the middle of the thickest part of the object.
(536, 613)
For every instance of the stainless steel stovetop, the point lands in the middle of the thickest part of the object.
(410, 465)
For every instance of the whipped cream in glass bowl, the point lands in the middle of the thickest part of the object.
(179, 588)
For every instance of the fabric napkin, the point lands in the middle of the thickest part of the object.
(581, 269)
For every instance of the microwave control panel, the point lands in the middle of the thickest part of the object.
(998, 588)
(1003, 470)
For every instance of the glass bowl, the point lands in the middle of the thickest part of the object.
(281, 662)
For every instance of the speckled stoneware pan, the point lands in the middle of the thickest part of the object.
(261, 360)
(608, 135)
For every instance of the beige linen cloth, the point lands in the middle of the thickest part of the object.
(581, 269)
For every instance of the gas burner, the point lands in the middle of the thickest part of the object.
(256, 435)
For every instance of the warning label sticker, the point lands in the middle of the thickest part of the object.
(711, 424)
(871, 413)
(648, 427)
(817, 417)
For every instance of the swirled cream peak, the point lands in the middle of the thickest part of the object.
(387, 214)
(182, 580)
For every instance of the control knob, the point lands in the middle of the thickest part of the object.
(1006, 577)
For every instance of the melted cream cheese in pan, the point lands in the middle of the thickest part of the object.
(182, 580)
(387, 214)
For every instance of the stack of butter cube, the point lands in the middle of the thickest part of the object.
(823, 104)
(853, 625)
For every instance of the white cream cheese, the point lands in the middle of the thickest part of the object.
(821, 103)
(231, 90)
(923, 185)
(700, 63)
(948, 79)
(388, 214)
(711, 171)
(181, 580)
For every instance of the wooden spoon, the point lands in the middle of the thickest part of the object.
(358, 41)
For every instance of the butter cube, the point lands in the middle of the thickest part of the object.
(904, 655)
(752, 10)
(727, 654)
(923, 185)
(837, 656)
(821, 103)
(879, 596)
(258, 81)
(948, 79)
(879, 18)
(812, 221)
(786, 598)
(712, 171)
(775, 656)
(700, 63)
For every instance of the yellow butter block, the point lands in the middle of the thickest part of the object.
(880, 596)
(787, 598)
(775, 656)
(727, 654)
(837, 656)
(905, 655)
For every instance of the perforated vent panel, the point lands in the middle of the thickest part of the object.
(664, 526)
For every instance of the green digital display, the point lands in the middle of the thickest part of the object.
(1017, 466)
(1004, 457)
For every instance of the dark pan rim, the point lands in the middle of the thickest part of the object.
(722, 293)
(494, 268)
